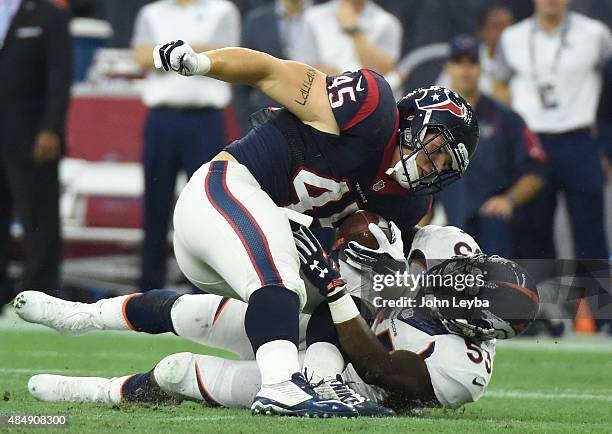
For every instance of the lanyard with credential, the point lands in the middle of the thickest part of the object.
(532, 48)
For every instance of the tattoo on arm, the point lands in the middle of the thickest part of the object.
(302, 99)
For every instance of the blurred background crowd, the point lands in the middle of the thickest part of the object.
(95, 145)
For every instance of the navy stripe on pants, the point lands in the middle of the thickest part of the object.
(252, 237)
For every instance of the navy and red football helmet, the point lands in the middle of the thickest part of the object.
(445, 114)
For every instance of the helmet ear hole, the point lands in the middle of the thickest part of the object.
(408, 113)
(407, 138)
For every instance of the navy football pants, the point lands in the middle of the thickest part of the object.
(575, 170)
(493, 234)
(174, 140)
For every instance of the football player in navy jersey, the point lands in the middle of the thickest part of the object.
(339, 144)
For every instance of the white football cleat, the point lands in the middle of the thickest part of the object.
(45, 387)
(66, 317)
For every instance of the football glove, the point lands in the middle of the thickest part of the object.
(388, 258)
(180, 58)
(319, 269)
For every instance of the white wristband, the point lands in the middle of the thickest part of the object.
(204, 63)
(343, 309)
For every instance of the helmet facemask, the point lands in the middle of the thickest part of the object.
(480, 323)
(460, 265)
(406, 171)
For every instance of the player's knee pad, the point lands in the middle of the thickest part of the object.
(150, 312)
(173, 370)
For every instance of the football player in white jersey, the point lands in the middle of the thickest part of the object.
(401, 359)
(431, 355)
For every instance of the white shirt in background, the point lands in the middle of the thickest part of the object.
(203, 22)
(487, 69)
(334, 48)
(293, 32)
(8, 9)
(576, 83)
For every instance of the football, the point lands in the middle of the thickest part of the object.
(355, 228)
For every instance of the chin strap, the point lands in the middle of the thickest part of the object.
(406, 178)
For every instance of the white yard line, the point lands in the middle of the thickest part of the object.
(165, 417)
(80, 353)
(548, 395)
(591, 344)
(197, 418)
(14, 372)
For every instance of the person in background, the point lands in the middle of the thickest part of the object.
(494, 20)
(35, 77)
(185, 124)
(604, 122)
(508, 170)
(286, 35)
(549, 68)
(492, 23)
(353, 34)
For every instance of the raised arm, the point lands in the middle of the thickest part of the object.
(298, 87)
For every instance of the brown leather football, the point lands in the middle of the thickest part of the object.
(355, 228)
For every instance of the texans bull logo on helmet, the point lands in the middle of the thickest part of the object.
(437, 98)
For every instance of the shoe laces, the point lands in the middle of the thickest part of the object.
(336, 388)
(344, 392)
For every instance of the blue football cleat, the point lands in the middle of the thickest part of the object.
(296, 397)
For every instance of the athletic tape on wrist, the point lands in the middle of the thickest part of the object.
(343, 309)
(203, 64)
(337, 293)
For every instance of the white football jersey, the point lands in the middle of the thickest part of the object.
(440, 242)
(430, 242)
(459, 369)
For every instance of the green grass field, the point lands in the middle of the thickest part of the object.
(536, 387)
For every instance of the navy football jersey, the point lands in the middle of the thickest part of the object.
(331, 176)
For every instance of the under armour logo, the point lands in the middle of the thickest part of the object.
(322, 271)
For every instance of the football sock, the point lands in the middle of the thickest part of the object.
(323, 360)
(277, 361)
(272, 325)
(150, 312)
(324, 355)
(104, 390)
(143, 388)
(108, 313)
(321, 328)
